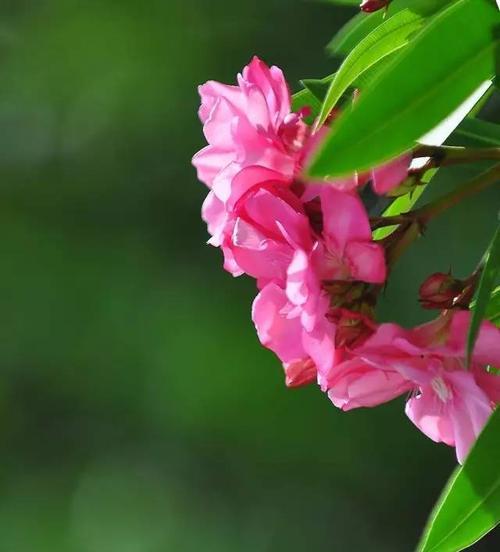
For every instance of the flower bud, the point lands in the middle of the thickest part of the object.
(439, 291)
(370, 6)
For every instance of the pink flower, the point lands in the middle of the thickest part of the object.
(364, 377)
(304, 352)
(279, 329)
(347, 251)
(355, 383)
(269, 225)
(343, 251)
(450, 404)
(248, 125)
(221, 217)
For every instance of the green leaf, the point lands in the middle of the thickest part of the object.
(317, 87)
(382, 41)
(354, 31)
(469, 505)
(424, 83)
(314, 91)
(306, 98)
(489, 275)
(364, 23)
(492, 312)
(403, 204)
(477, 132)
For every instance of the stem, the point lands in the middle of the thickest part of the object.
(448, 155)
(380, 222)
(474, 186)
(412, 224)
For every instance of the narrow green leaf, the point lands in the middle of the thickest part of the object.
(469, 505)
(432, 76)
(489, 275)
(354, 31)
(317, 87)
(314, 90)
(364, 23)
(306, 98)
(492, 312)
(382, 41)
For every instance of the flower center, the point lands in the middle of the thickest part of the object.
(441, 389)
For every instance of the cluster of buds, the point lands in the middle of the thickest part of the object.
(309, 247)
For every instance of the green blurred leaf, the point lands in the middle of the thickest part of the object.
(491, 268)
(483, 133)
(469, 506)
(343, 2)
(382, 41)
(445, 63)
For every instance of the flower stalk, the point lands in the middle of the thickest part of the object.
(413, 223)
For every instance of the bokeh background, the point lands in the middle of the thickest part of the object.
(138, 412)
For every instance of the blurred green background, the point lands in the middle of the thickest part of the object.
(138, 413)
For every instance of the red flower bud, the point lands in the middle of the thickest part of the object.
(370, 6)
(440, 290)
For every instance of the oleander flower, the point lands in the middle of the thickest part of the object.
(450, 403)
(269, 225)
(250, 124)
(280, 328)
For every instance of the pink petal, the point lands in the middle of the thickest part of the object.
(344, 217)
(212, 90)
(209, 161)
(277, 217)
(249, 177)
(257, 255)
(276, 329)
(391, 175)
(218, 127)
(272, 84)
(426, 412)
(299, 372)
(355, 384)
(367, 262)
(319, 343)
(214, 214)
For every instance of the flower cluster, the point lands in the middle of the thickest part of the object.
(318, 270)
